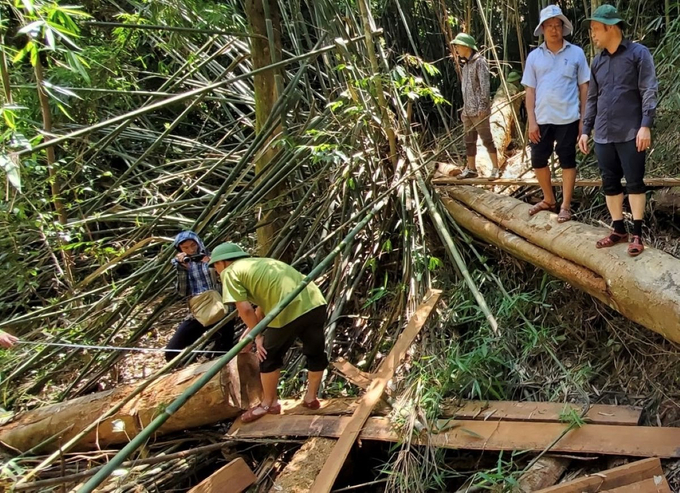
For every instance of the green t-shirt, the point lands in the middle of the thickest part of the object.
(265, 282)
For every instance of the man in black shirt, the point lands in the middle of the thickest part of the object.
(620, 107)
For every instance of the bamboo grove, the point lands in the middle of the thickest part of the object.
(276, 125)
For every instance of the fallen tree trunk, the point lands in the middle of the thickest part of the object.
(481, 227)
(234, 389)
(645, 289)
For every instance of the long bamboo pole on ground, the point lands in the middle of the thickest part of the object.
(146, 433)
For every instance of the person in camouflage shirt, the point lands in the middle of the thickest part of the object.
(476, 103)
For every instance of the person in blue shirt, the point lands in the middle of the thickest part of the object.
(621, 107)
(194, 277)
(556, 81)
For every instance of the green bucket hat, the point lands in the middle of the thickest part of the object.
(463, 39)
(513, 77)
(606, 14)
(227, 251)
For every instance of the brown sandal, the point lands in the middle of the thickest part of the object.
(250, 415)
(564, 215)
(635, 247)
(613, 239)
(313, 405)
(541, 206)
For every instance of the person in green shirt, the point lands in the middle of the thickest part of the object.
(265, 282)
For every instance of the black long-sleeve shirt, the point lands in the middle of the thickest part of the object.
(621, 94)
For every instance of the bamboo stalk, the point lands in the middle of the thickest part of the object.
(144, 435)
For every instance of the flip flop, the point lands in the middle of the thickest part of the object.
(541, 206)
(255, 413)
(611, 240)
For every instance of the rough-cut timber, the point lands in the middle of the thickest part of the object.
(645, 289)
(235, 477)
(633, 441)
(545, 472)
(234, 389)
(352, 374)
(300, 473)
(329, 473)
(618, 477)
(506, 180)
(548, 412)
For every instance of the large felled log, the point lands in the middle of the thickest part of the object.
(502, 123)
(234, 389)
(645, 289)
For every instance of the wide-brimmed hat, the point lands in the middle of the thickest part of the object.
(463, 39)
(513, 76)
(606, 14)
(227, 251)
(548, 13)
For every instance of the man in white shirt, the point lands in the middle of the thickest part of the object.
(556, 81)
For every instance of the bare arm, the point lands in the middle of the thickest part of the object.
(7, 340)
(247, 314)
(534, 131)
(583, 97)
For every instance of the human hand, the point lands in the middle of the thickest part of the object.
(534, 132)
(7, 340)
(205, 259)
(248, 347)
(259, 348)
(181, 257)
(644, 139)
(583, 144)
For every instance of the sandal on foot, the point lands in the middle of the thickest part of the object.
(468, 173)
(613, 239)
(564, 215)
(541, 206)
(495, 174)
(635, 247)
(255, 413)
(313, 405)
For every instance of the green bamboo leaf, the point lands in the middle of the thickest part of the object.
(11, 167)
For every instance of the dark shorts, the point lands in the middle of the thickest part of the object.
(559, 138)
(309, 329)
(618, 160)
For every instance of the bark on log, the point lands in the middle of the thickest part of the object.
(502, 123)
(570, 272)
(234, 389)
(645, 289)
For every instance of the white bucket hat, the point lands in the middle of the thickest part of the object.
(548, 13)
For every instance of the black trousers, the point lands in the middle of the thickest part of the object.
(618, 160)
(191, 329)
(309, 329)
